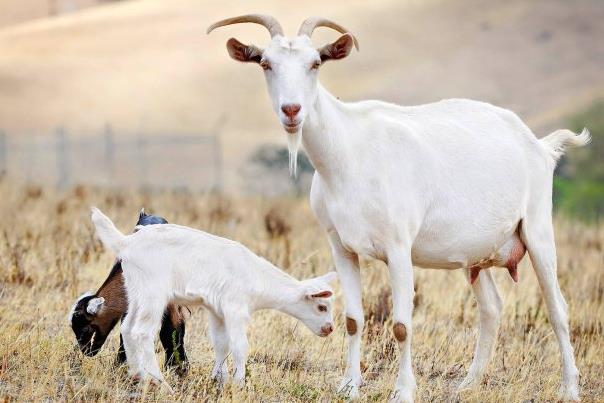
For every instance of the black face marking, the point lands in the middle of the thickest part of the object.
(89, 336)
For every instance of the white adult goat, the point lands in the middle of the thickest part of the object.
(171, 263)
(449, 185)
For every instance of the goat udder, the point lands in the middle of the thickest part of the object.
(514, 258)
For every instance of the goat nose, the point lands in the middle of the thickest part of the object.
(291, 110)
(327, 329)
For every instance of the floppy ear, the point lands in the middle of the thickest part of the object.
(94, 305)
(338, 49)
(243, 53)
(321, 294)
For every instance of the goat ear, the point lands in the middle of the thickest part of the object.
(321, 294)
(338, 49)
(243, 53)
(94, 305)
(329, 277)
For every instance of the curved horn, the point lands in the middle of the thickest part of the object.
(267, 21)
(309, 25)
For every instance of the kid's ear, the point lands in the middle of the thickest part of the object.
(95, 305)
(321, 294)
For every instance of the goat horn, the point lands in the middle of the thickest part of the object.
(267, 21)
(309, 25)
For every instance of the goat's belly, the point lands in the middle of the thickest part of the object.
(502, 250)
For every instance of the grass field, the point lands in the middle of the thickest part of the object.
(48, 256)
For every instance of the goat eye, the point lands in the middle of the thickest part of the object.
(265, 65)
(322, 308)
(315, 65)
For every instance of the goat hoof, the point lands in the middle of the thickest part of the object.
(166, 388)
(136, 377)
(469, 382)
(402, 396)
(350, 388)
(220, 378)
(238, 383)
(569, 393)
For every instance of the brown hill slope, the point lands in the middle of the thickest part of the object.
(148, 65)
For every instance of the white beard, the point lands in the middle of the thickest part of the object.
(293, 145)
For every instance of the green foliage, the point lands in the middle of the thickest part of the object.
(579, 186)
(580, 198)
(278, 158)
(273, 162)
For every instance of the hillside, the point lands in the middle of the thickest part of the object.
(148, 66)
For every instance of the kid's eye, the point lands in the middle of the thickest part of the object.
(265, 65)
(322, 308)
(315, 65)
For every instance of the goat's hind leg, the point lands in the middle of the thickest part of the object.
(220, 341)
(146, 324)
(538, 236)
(489, 306)
(236, 327)
(131, 353)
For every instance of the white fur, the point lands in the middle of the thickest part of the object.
(441, 185)
(171, 263)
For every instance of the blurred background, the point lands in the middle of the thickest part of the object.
(134, 94)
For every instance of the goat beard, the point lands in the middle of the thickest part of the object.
(293, 145)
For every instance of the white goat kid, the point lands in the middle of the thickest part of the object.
(171, 263)
(448, 185)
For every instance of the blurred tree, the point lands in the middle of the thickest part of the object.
(588, 162)
(268, 172)
(579, 184)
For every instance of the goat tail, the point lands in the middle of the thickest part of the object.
(110, 236)
(557, 141)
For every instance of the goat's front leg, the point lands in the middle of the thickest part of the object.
(130, 351)
(146, 325)
(236, 322)
(220, 341)
(489, 306)
(347, 266)
(401, 277)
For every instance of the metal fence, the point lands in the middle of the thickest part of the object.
(149, 161)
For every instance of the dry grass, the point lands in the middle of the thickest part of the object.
(48, 256)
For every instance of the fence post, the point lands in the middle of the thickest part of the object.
(218, 164)
(62, 159)
(109, 154)
(3, 153)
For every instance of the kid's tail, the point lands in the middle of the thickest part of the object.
(557, 141)
(106, 231)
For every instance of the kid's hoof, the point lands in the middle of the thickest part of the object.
(469, 382)
(350, 388)
(402, 396)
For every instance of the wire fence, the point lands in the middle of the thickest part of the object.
(189, 161)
